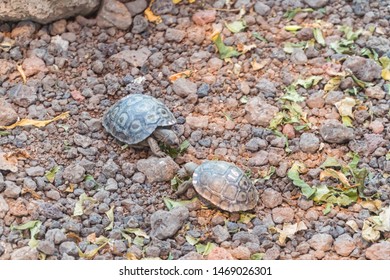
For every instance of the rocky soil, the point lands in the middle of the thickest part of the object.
(69, 190)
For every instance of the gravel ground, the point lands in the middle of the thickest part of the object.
(77, 189)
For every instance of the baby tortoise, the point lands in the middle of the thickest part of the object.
(141, 120)
(221, 183)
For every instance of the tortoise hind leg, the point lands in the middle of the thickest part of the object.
(154, 147)
(183, 187)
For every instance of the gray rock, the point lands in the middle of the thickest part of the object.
(321, 242)
(113, 13)
(3, 207)
(316, 3)
(46, 247)
(162, 7)
(282, 215)
(140, 24)
(50, 211)
(23, 95)
(333, 131)
(272, 253)
(35, 171)
(316, 100)
(2, 250)
(333, 96)
(175, 35)
(61, 44)
(158, 169)
(380, 44)
(255, 144)
(184, 87)
(258, 112)
(298, 56)
(118, 247)
(152, 251)
(110, 169)
(344, 245)
(11, 190)
(375, 92)
(360, 7)
(220, 233)
(271, 198)
(7, 114)
(261, 8)
(45, 11)
(165, 224)
(379, 251)
(74, 173)
(203, 90)
(136, 58)
(82, 140)
(97, 67)
(156, 59)
(309, 143)
(128, 169)
(258, 159)
(69, 248)
(55, 236)
(245, 237)
(139, 177)
(266, 87)
(240, 3)
(111, 185)
(364, 69)
(25, 253)
(136, 7)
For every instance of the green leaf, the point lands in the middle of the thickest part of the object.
(277, 120)
(369, 53)
(176, 182)
(293, 174)
(172, 203)
(259, 37)
(327, 209)
(205, 249)
(308, 82)
(257, 256)
(292, 28)
(388, 156)
(4, 133)
(290, 14)
(137, 232)
(292, 95)
(175, 152)
(345, 107)
(349, 34)
(127, 237)
(385, 62)
(244, 99)
(65, 127)
(192, 240)
(91, 254)
(330, 162)
(347, 121)
(79, 208)
(51, 174)
(236, 26)
(319, 37)
(246, 218)
(139, 241)
(289, 47)
(332, 84)
(342, 46)
(110, 216)
(361, 83)
(224, 51)
(34, 227)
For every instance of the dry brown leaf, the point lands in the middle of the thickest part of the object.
(37, 123)
(372, 205)
(92, 238)
(259, 65)
(130, 256)
(245, 48)
(33, 193)
(21, 71)
(70, 188)
(176, 76)
(74, 236)
(329, 172)
(8, 161)
(150, 16)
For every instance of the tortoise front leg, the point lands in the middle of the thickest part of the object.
(154, 147)
(183, 187)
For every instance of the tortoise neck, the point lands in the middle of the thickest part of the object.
(161, 134)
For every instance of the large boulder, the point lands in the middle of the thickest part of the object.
(45, 11)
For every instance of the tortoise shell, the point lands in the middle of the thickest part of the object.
(135, 117)
(225, 185)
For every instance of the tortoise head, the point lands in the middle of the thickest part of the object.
(167, 136)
